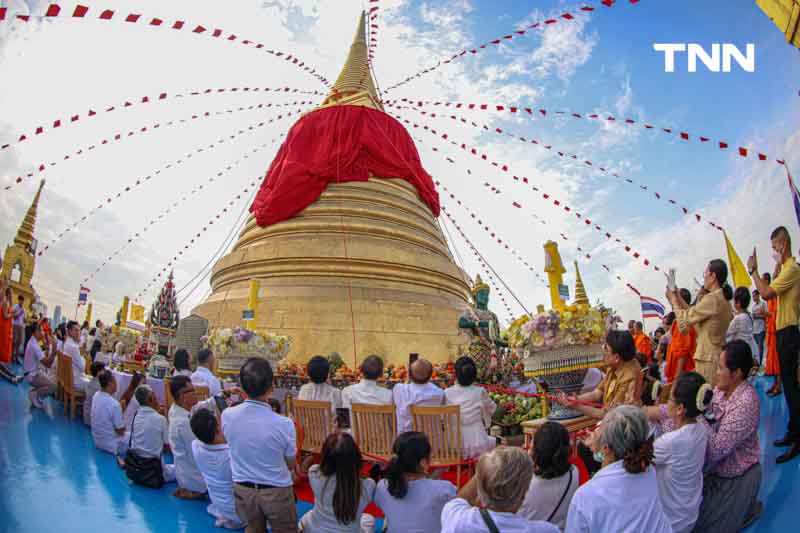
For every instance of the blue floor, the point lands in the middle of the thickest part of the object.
(52, 478)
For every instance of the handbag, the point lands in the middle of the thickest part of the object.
(144, 471)
(566, 490)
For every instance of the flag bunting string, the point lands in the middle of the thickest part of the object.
(82, 12)
(516, 34)
(533, 113)
(63, 122)
(42, 167)
(565, 156)
(141, 180)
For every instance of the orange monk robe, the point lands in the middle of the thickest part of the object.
(681, 346)
(643, 345)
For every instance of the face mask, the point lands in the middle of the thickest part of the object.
(777, 256)
(599, 456)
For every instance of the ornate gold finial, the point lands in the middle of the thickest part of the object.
(580, 291)
(554, 269)
(479, 285)
(355, 85)
(24, 236)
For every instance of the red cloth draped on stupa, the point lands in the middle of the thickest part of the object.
(338, 144)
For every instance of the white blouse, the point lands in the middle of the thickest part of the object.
(741, 328)
(321, 392)
(476, 415)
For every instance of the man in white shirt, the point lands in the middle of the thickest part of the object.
(759, 312)
(213, 457)
(263, 449)
(149, 430)
(108, 428)
(71, 349)
(419, 392)
(204, 375)
(191, 485)
(19, 315)
(318, 389)
(36, 364)
(367, 390)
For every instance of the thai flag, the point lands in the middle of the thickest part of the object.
(83, 295)
(795, 195)
(651, 308)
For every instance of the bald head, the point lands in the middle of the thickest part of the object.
(420, 371)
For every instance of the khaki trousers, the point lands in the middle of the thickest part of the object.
(707, 369)
(257, 507)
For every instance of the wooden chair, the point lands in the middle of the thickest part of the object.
(442, 425)
(202, 393)
(59, 381)
(72, 398)
(316, 419)
(374, 429)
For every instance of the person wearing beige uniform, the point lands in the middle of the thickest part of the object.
(710, 315)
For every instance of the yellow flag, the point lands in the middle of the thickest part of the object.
(739, 273)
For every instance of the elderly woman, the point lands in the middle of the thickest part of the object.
(710, 316)
(475, 407)
(623, 496)
(681, 451)
(730, 488)
(621, 383)
(489, 502)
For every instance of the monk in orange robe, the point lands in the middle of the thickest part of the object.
(642, 341)
(682, 344)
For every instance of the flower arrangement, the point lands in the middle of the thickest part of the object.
(574, 326)
(241, 341)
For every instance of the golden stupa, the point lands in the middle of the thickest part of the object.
(364, 269)
(19, 259)
(580, 291)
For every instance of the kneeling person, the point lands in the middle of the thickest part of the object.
(108, 427)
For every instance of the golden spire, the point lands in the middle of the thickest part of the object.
(580, 291)
(355, 85)
(479, 285)
(24, 237)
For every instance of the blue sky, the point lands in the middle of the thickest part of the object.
(602, 62)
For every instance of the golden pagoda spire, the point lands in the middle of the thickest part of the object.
(24, 237)
(580, 291)
(355, 85)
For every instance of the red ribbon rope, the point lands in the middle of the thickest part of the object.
(516, 34)
(81, 11)
(505, 390)
(141, 180)
(119, 136)
(175, 204)
(475, 215)
(60, 123)
(545, 195)
(372, 29)
(254, 183)
(544, 113)
(563, 155)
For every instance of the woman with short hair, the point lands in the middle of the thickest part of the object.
(182, 365)
(554, 480)
(741, 327)
(490, 500)
(410, 501)
(623, 496)
(340, 494)
(730, 487)
(319, 389)
(475, 407)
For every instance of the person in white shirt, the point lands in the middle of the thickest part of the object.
(410, 501)
(108, 428)
(91, 388)
(680, 451)
(623, 496)
(204, 375)
(741, 327)
(419, 392)
(18, 336)
(128, 399)
(759, 311)
(475, 407)
(182, 362)
(492, 497)
(213, 457)
(36, 365)
(149, 431)
(367, 391)
(71, 349)
(340, 494)
(191, 485)
(263, 447)
(554, 480)
(318, 389)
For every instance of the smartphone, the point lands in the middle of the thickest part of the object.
(343, 417)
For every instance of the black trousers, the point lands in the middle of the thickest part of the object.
(788, 344)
